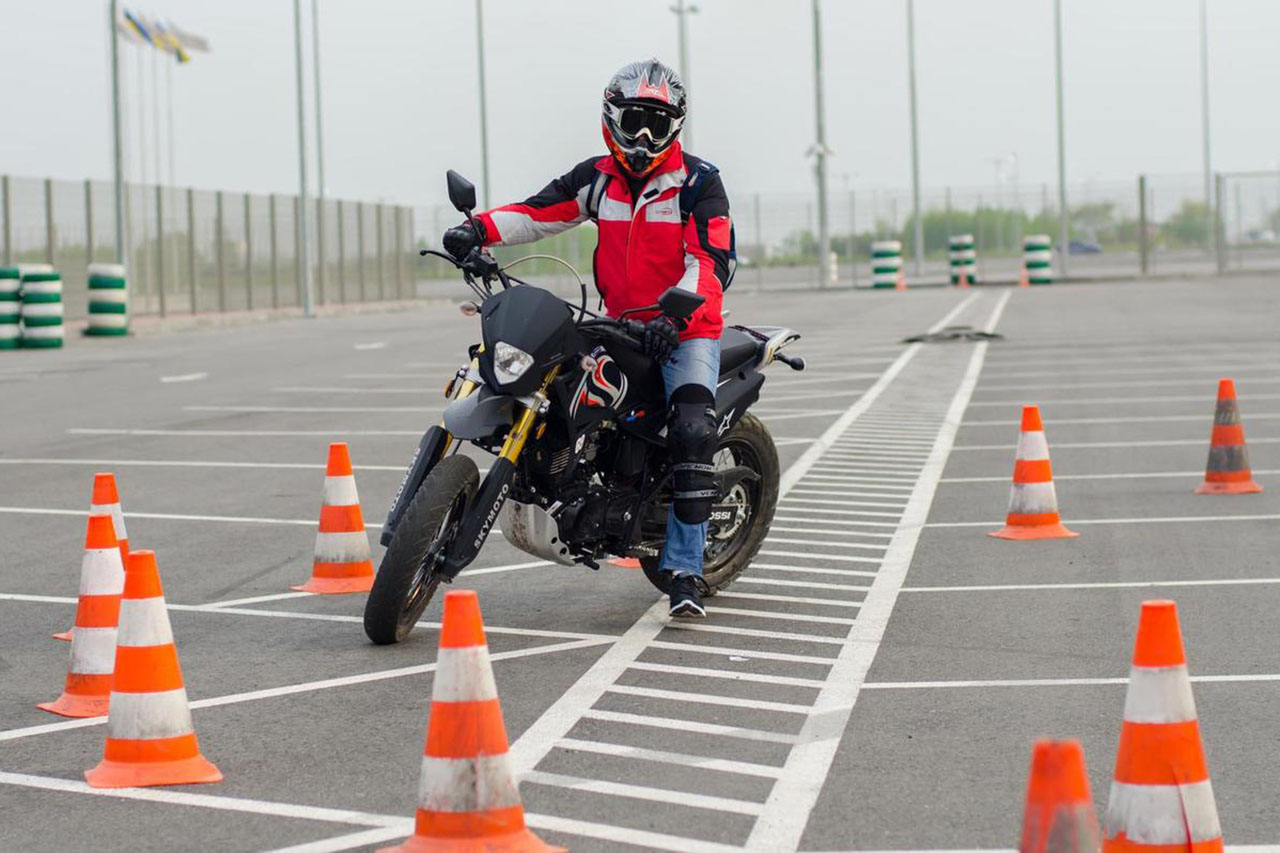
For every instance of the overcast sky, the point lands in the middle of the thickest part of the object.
(400, 105)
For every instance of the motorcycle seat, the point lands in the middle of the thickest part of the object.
(737, 349)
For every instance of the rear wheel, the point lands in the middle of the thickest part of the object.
(407, 578)
(732, 545)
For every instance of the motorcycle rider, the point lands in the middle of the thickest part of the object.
(647, 244)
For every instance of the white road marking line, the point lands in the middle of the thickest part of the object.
(206, 801)
(625, 835)
(253, 433)
(852, 492)
(1103, 401)
(1138, 476)
(866, 513)
(704, 628)
(641, 792)
(792, 799)
(813, 570)
(707, 699)
(189, 463)
(679, 725)
(787, 442)
(322, 410)
(817, 395)
(750, 654)
(1162, 520)
(895, 484)
(309, 686)
(905, 468)
(825, 502)
(1041, 387)
(1058, 445)
(806, 555)
(874, 546)
(781, 615)
(420, 375)
(1036, 587)
(351, 840)
(841, 521)
(785, 414)
(725, 674)
(745, 768)
(790, 599)
(167, 516)
(830, 531)
(1142, 419)
(790, 584)
(257, 599)
(829, 379)
(1196, 362)
(371, 345)
(1060, 682)
(184, 377)
(337, 389)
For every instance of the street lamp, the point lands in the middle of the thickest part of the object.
(918, 237)
(1063, 232)
(304, 248)
(820, 153)
(484, 107)
(682, 12)
(1204, 119)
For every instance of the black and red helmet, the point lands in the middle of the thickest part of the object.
(644, 109)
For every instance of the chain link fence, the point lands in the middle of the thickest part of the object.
(195, 251)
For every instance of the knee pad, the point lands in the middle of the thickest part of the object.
(692, 442)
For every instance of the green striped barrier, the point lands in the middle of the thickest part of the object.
(1037, 258)
(41, 309)
(108, 300)
(886, 263)
(964, 258)
(10, 308)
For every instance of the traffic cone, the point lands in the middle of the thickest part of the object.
(1033, 501)
(1024, 278)
(105, 501)
(342, 561)
(962, 280)
(93, 648)
(1059, 816)
(902, 281)
(1227, 472)
(467, 799)
(625, 563)
(150, 738)
(1161, 798)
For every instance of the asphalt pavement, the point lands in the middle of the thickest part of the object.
(874, 682)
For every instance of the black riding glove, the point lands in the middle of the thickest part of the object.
(459, 240)
(660, 337)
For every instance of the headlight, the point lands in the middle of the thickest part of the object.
(510, 363)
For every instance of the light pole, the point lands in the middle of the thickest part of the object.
(484, 108)
(682, 12)
(1204, 120)
(304, 248)
(315, 57)
(1063, 232)
(820, 153)
(117, 132)
(917, 239)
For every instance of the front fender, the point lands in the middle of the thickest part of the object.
(480, 415)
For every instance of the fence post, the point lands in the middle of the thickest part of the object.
(50, 238)
(411, 277)
(191, 245)
(6, 203)
(853, 236)
(88, 221)
(298, 259)
(248, 251)
(275, 253)
(1220, 226)
(399, 251)
(160, 248)
(360, 240)
(1143, 247)
(320, 255)
(219, 254)
(342, 256)
(755, 205)
(380, 213)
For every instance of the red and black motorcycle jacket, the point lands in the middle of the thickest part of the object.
(643, 246)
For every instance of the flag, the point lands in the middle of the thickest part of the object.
(169, 43)
(134, 26)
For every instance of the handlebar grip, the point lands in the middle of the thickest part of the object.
(795, 362)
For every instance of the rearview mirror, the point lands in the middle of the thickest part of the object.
(679, 304)
(462, 193)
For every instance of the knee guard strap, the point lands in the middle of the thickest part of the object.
(692, 442)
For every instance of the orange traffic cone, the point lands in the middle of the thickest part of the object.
(962, 280)
(1161, 798)
(93, 648)
(1033, 501)
(342, 547)
(467, 799)
(150, 738)
(1024, 278)
(1227, 472)
(902, 281)
(1059, 816)
(106, 501)
(625, 563)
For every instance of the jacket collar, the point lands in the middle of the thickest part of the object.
(673, 163)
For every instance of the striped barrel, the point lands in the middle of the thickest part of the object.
(964, 258)
(1037, 258)
(41, 309)
(108, 300)
(886, 263)
(10, 308)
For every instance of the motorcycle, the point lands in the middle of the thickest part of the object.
(575, 417)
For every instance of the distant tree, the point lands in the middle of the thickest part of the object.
(1188, 226)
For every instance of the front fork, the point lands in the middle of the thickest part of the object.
(493, 493)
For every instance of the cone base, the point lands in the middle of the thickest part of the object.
(523, 841)
(1248, 487)
(70, 705)
(65, 636)
(336, 586)
(1039, 531)
(185, 771)
(625, 563)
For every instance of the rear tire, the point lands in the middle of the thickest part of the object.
(750, 444)
(406, 583)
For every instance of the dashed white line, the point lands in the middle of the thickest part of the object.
(184, 377)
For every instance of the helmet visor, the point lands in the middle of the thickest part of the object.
(636, 124)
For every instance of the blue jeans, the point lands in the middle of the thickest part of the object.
(693, 362)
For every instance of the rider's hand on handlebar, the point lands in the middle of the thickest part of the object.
(459, 240)
(660, 337)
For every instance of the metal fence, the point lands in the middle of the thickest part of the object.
(194, 251)
(1155, 224)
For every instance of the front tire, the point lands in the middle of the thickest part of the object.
(406, 580)
(749, 444)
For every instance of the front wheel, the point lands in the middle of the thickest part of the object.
(407, 578)
(733, 544)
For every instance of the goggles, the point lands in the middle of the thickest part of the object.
(635, 122)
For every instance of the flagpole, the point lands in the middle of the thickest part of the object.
(315, 58)
(173, 180)
(117, 143)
